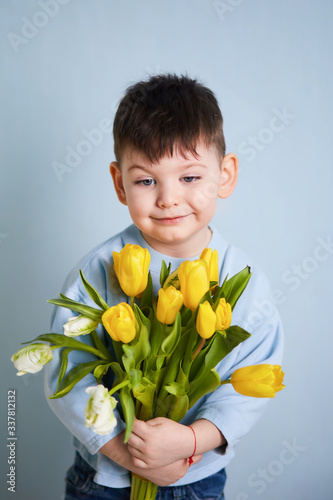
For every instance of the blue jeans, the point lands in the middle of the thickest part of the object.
(80, 484)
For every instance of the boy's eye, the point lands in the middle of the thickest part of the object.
(145, 182)
(190, 178)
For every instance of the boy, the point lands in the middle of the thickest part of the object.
(171, 168)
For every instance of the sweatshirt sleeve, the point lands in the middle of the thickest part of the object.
(232, 413)
(70, 408)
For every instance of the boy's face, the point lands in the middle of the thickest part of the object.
(173, 201)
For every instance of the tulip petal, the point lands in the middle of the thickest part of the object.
(261, 381)
(194, 281)
(131, 266)
(119, 322)
(206, 320)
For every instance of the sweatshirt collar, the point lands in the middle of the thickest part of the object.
(133, 235)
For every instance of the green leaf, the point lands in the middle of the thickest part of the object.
(100, 346)
(186, 315)
(101, 370)
(172, 370)
(156, 335)
(63, 341)
(140, 343)
(188, 356)
(90, 312)
(173, 280)
(221, 344)
(162, 406)
(129, 358)
(159, 360)
(93, 293)
(139, 349)
(119, 372)
(135, 378)
(233, 288)
(74, 376)
(218, 289)
(230, 338)
(63, 367)
(175, 388)
(118, 350)
(145, 392)
(178, 407)
(127, 405)
(147, 295)
(170, 343)
(177, 401)
(165, 271)
(208, 382)
(182, 379)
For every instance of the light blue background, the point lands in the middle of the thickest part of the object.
(64, 77)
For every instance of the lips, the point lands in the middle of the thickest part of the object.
(171, 220)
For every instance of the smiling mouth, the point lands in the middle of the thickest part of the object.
(170, 220)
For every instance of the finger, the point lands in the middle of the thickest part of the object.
(138, 462)
(139, 428)
(135, 441)
(134, 452)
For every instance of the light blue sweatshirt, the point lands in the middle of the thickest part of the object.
(231, 412)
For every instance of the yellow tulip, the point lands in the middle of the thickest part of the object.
(194, 281)
(131, 266)
(119, 322)
(169, 303)
(259, 381)
(206, 320)
(212, 259)
(223, 315)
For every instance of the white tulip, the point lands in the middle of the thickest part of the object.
(99, 410)
(79, 325)
(32, 358)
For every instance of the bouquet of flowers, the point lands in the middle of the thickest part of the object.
(165, 348)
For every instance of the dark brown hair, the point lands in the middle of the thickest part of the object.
(167, 112)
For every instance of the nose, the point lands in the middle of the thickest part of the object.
(168, 196)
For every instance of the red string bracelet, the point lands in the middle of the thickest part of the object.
(190, 460)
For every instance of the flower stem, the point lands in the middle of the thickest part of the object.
(132, 303)
(198, 349)
(225, 382)
(119, 386)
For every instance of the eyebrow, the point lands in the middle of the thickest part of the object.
(132, 167)
(141, 167)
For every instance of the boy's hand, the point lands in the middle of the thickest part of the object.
(168, 474)
(160, 442)
(117, 451)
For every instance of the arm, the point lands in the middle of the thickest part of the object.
(231, 412)
(70, 409)
(162, 475)
(160, 441)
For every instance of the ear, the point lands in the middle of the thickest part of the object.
(118, 182)
(229, 175)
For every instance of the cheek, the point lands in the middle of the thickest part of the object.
(205, 198)
(138, 202)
